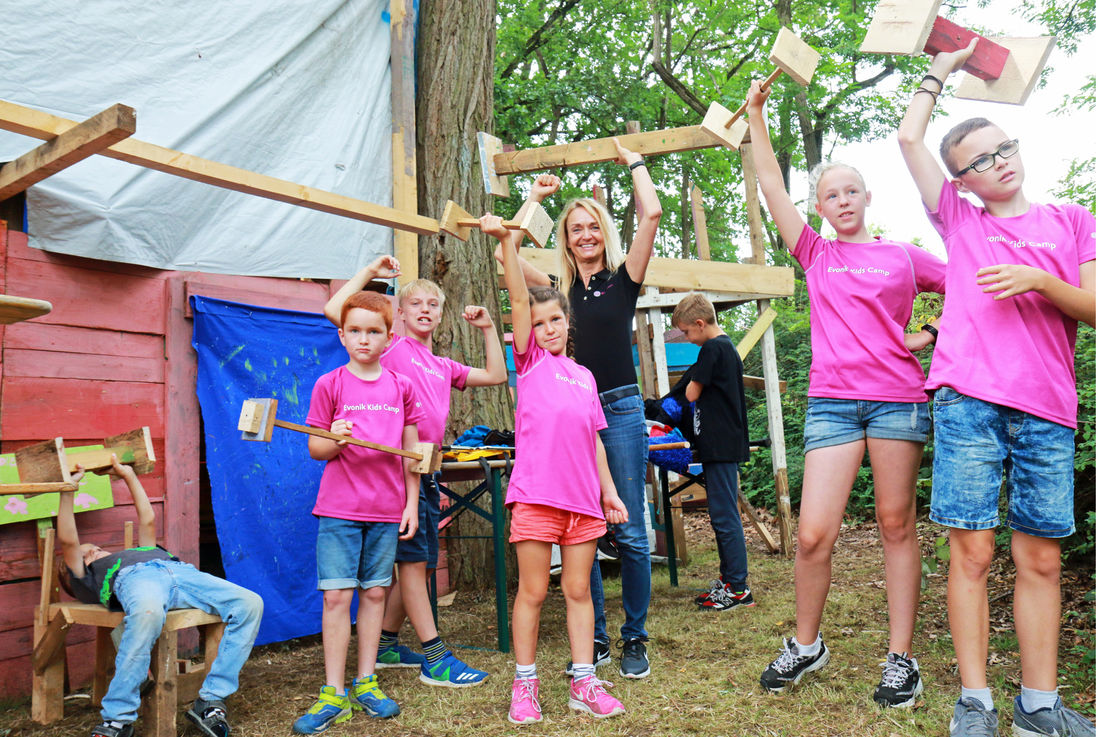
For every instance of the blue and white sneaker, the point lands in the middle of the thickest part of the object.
(330, 708)
(366, 695)
(449, 671)
(399, 656)
(1059, 720)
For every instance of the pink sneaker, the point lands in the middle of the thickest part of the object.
(589, 695)
(525, 708)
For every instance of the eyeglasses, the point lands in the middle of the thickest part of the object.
(985, 162)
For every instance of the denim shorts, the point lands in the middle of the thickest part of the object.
(423, 547)
(977, 444)
(354, 555)
(839, 421)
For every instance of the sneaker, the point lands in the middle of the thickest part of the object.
(900, 683)
(714, 586)
(725, 598)
(399, 656)
(589, 695)
(1059, 720)
(366, 694)
(525, 708)
(971, 719)
(210, 718)
(634, 658)
(449, 671)
(113, 729)
(330, 708)
(602, 656)
(790, 666)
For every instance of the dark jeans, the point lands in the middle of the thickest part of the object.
(722, 489)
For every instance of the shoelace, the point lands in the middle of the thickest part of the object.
(787, 657)
(985, 720)
(896, 671)
(526, 688)
(591, 687)
(214, 711)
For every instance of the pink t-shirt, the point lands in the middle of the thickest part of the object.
(861, 295)
(363, 484)
(431, 376)
(556, 419)
(1018, 352)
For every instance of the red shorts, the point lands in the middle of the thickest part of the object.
(552, 525)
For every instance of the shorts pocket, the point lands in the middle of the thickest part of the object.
(947, 396)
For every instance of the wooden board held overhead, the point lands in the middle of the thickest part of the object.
(900, 27)
(1020, 73)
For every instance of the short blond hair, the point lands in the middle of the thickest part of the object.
(694, 306)
(421, 285)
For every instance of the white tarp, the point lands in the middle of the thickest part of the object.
(296, 89)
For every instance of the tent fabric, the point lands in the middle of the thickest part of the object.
(263, 493)
(298, 90)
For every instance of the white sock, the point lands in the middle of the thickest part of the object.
(983, 695)
(582, 670)
(1032, 699)
(526, 671)
(809, 650)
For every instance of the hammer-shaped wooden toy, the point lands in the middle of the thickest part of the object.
(257, 422)
(792, 56)
(536, 224)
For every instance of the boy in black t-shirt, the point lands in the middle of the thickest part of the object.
(145, 582)
(720, 430)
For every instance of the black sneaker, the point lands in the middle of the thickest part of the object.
(113, 729)
(602, 656)
(210, 718)
(901, 683)
(714, 586)
(634, 658)
(790, 666)
(726, 598)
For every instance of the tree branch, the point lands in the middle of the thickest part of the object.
(537, 39)
(679, 88)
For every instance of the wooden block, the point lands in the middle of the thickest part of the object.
(494, 184)
(50, 644)
(431, 460)
(1020, 74)
(137, 442)
(988, 58)
(17, 309)
(251, 417)
(900, 27)
(452, 215)
(43, 462)
(266, 409)
(127, 535)
(794, 56)
(537, 225)
(76, 144)
(716, 118)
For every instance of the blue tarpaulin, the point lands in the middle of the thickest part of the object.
(263, 493)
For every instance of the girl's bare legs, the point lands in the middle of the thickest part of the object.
(575, 582)
(533, 562)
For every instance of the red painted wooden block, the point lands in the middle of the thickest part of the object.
(988, 58)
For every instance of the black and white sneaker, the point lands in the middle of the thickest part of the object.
(790, 666)
(900, 683)
(726, 598)
(634, 658)
(715, 586)
(602, 656)
(113, 729)
(210, 718)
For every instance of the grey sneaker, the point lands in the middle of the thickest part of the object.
(1059, 721)
(971, 719)
(634, 658)
(602, 656)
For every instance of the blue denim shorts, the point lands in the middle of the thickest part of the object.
(977, 444)
(839, 421)
(354, 555)
(423, 547)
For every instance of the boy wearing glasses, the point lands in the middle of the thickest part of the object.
(1019, 278)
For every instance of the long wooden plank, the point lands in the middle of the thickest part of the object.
(751, 337)
(74, 145)
(402, 26)
(701, 231)
(38, 124)
(777, 437)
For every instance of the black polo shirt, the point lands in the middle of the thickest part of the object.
(603, 326)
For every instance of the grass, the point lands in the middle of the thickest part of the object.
(705, 664)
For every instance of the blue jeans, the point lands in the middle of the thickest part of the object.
(147, 591)
(721, 490)
(625, 439)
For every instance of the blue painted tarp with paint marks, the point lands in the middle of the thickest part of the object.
(263, 493)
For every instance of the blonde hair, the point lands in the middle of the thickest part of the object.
(824, 167)
(693, 307)
(424, 285)
(613, 255)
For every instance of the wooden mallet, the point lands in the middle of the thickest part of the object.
(792, 56)
(257, 422)
(536, 224)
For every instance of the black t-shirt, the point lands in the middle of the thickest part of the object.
(97, 584)
(720, 413)
(603, 326)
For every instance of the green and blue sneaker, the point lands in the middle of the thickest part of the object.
(399, 656)
(330, 708)
(449, 671)
(366, 694)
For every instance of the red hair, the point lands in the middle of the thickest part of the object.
(371, 301)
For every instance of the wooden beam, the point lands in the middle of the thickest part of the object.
(900, 27)
(45, 487)
(17, 309)
(988, 58)
(746, 510)
(644, 354)
(668, 300)
(49, 645)
(659, 351)
(701, 232)
(751, 337)
(758, 382)
(37, 124)
(42, 463)
(1020, 74)
(76, 144)
(402, 26)
(752, 205)
(776, 430)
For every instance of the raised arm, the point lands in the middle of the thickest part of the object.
(146, 517)
(544, 185)
(67, 536)
(783, 211)
(922, 164)
(495, 365)
(516, 284)
(383, 267)
(649, 212)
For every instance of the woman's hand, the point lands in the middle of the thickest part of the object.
(544, 185)
(625, 156)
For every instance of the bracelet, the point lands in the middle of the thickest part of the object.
(932, 330)
(636, 164)
(932, 93)
(932, 78)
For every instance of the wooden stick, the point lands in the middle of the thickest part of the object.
(45, 487)
(353, 441)
(669, 446)
(764, 86)
(17, 309)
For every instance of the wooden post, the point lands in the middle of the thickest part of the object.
(701, 232)
(158, 708)
(405, 197)
(751, 203)
(659, 350)
(644, 354)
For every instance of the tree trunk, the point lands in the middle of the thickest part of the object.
(455, 50)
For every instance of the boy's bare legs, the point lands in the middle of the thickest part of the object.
(575, 584)
(828, 478)
(895, 465)
(410, 598)
(335, 623)
(533, 562)
(1037, 607)
(371, 608)
(970, 553)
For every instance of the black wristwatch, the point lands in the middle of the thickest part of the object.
(932, 330)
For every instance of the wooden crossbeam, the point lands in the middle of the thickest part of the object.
(37, 124)
(76, 144)
(751, 337)
(672, 140)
